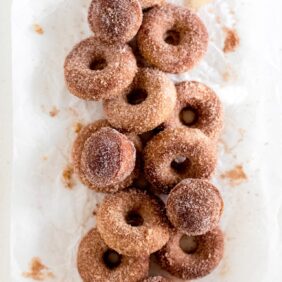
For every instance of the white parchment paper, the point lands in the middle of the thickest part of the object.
(49, 218)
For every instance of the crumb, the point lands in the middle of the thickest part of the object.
(77, 127)
(236, 175)
(54, 112)
(68, 177)
(232, 40)
(38, 271)
(95, 210)
(226, 75)
(38, 29)
(45, 158)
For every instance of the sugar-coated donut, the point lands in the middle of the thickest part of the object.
(195, 262)
(197, 107)
(145, 4)
(97, 262)
(95, 71)
(147, 103)
(172, 38)
(108, 176)
(178, 153)
(157, 279)
(133, 223)
(115, 21)
(194, 206)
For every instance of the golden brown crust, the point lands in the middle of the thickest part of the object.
(204, 102)
(92, 267)
(77, 151)
(145, 4)
(171, 144)
(205, 259)
(115, 21)
(194, 206)
(116, 68)
(139, 240)
(188, 49)
(156, 108)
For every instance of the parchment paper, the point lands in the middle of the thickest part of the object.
(52, 210)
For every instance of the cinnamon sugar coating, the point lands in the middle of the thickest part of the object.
(150, 3)
(172, 38)
(133, 223)
(115, 22)
(157, 99)
(178, 153)
(116, 169)
(157, 279)
(194, 206)
(95, 71)
(93, 267)
(204, 103)
(201, 262)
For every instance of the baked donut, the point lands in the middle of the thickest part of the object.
(197, 107)
(196, 259)
(172, 38)
(156, 279)
(111, 175)
(145, 4)
(194, 206)
(178, 153)
(145, 104)
(133, 223)
(97, 262)
(95, 71)
(115, 21)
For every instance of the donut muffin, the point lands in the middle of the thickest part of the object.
(197, 107)
(115, 22)
(95, 71)
(97, 262)
(108, 169)
(176, 154)
(133, 223)
(195, 260)
(145, 104)
(194, 206)
(172, 38)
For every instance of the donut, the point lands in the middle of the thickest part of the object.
(115, 21)
(133, 223)
(148, 102)
(97, 262)
(197, 107)
(172, 38)
(196, 259)
(145, 4)
(194, 206)
(95, 71)
(178, 153)
(112, 175)
(156, 279)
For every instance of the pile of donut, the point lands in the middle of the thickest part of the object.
(158, 138)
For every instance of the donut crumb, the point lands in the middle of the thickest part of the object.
(236, 175)
(38, 29)
(77, 127)
(232, 40)
(54, 112)
(68, 177)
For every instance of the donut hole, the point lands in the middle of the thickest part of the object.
(172, 37)
(188, 116)
(97, 64)
(112, 259)
(188, 244)
(180, 164)
(137, 96)
(134, 218)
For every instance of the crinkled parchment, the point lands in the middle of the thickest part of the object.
(52, 210)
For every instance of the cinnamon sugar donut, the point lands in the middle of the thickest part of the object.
(145, 4)
(148, 101)
(197, 107)
(176, 154)
(172, 38)
(195, 261)
(133, 223)
(115, 21)
(95, 71)
(156, 279)
(113, 169)
(97, 262)
(194, 206)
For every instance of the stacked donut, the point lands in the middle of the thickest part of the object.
(158, 138)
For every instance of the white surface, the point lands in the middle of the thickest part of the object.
(49, 220)
(5, 138)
